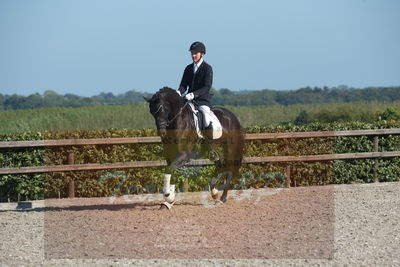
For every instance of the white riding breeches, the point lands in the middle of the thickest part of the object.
(208, 115)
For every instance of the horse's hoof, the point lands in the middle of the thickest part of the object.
(166, 205)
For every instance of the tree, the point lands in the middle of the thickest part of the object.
(52, 99)
(2, 98)
(14, 102)
(34, 101)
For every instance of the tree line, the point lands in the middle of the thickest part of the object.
(306, 95)
(224, 97)
(51, 99)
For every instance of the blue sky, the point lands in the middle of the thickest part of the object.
(93, 46)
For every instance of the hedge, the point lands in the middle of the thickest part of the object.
(146, 180)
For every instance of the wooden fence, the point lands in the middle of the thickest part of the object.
(200, 162)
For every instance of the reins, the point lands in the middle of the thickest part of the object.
(177, 114)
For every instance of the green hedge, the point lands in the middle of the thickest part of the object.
(21, 186)
(143, 180)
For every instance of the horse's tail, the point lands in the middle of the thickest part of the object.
(238, 133)
(240, 145)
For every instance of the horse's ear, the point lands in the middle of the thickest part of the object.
(147, 99)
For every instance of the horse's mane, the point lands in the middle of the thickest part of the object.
(166, 90)
(170, 93)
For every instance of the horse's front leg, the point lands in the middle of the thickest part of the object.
(168, 188)
(180, 160)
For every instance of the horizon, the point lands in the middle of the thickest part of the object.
(340, 87)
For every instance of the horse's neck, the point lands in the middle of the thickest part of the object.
(184, 118)
(189, 115)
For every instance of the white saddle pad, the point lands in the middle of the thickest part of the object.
(217, 127)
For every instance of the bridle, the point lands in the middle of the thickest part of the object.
(176, 115)
(158, 110)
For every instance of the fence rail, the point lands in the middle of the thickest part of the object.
(155, 139)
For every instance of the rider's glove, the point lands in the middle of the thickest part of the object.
(189, 96)
(178, 92)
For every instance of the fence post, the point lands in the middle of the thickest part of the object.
(71, 184)
(287, 173)
(376, 163)
(186, 185)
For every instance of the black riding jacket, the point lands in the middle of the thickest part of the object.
(199, 83)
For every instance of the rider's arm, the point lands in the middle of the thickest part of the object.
(185, 80)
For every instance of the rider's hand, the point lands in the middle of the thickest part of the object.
(178, 92)
(189, 96)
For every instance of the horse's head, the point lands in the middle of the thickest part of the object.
(163, 106)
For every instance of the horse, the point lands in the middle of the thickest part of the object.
(175, 125)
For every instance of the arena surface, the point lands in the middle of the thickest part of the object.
(314, 226)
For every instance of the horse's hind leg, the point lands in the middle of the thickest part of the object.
(234, 173)
(219, 173)
(233, 160)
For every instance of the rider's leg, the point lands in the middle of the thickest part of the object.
(211, 123)
(206, 111)
(207, 115)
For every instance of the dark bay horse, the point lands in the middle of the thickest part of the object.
(175, 125)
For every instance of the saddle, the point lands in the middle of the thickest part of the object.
(213, 131)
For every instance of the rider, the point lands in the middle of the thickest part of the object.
(198, 77)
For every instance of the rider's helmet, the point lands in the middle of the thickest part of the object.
(197, 47)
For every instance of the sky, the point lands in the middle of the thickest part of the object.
(93, 46)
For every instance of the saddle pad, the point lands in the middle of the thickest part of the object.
(198, 122)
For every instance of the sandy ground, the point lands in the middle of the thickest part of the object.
(354, 225)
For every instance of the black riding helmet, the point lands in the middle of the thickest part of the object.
(197, 47)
